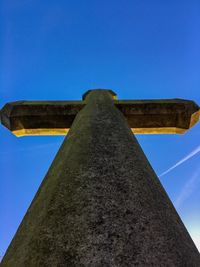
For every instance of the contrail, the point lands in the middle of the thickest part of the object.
(188, 189)
(190, 155)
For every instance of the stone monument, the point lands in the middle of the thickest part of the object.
(101, 203)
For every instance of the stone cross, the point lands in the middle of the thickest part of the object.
(101, 203)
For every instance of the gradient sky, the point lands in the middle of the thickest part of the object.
(56, 50)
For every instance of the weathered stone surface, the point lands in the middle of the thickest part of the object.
(113, 94)
(56, 117)
(159, 116)
(101, 203)
(40, 117)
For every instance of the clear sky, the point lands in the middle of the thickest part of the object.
(57, 49)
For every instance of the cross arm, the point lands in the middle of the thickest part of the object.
(40, 117)
(56, 117)
(165, 116)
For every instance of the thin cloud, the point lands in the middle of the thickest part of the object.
(189, 156)
(26, 149)
(196, 240)
(188, 189)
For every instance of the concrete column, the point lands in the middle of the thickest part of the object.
(101, 203)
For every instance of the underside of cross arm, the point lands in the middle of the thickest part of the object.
(24, 118)
(143, 116)
(166, 116)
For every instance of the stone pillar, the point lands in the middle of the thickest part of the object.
(101, 203)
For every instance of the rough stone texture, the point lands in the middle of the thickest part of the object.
(56, 117)
(31, 117)
(159, 116)
(101, 203)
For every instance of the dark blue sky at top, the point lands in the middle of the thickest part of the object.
(143, 48)
(51, 50)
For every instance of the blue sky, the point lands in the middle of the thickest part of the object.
(56, 50)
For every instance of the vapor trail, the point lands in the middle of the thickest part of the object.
(188, 188)
(190, 155)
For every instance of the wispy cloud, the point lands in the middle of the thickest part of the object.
(190, 155)
(196, 239)
(188, 188)
(26, 149)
